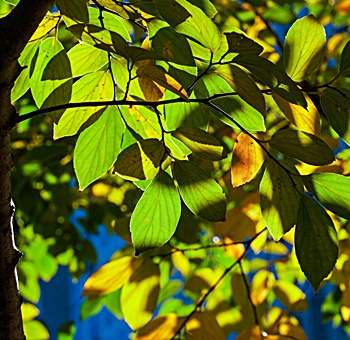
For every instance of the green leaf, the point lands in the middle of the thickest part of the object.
(344, 66)
(111, 42)
(111, 22)
(156, 215)
(200, 142)
(141, 160)
(98, 146)
(74, 9)
(335, 103)
(279, 199)
(97, 86)
(186, 114)
(50, 78)
(279, 14)
(22, 83)
(202, 195)
(241, 112)
(303, 146)
(34, 329)
(167, 42)
(243, 85)
(191, 21)
(239, 42)
(331, 190)
(85, 58)
(304, 48)
(316, 241)
(90, 307)
(272, 76)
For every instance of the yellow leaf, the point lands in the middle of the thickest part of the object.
(161, 78)
(111, 276)
(139, 296)
(247, 159)
(181, 262)
(290, 295)
(202, 280)
(160, 328)
(307, 120)
(46, 25)
(29, 311)
(261, 286)
(203, 326)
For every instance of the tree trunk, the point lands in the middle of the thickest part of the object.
(15, 31)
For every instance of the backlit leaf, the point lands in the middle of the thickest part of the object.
(191, 21)
(239, 42)
(29, 311)
(279, 199)
(140, 160)
(316, 241)
(307, 120)
(47, 24)
(111, 276)
(304, 48)
(34, 329)
(98, 146)
(139, 296)
(203, 325)
(161, 327)
(290, 295)
(331, 190)
(111, 41)
(247, 159)
(274, 77)
(243, 85)
(85, 58)
(156, 215)
(202, 195)
(168, 43)
(74, 9)
(50, 80)
(303, 146)
(161, 78)
(344, 66)
(200, 142)
(97, 86)
(336, 104)
(262, 283)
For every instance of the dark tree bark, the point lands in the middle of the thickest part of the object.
(15, 31)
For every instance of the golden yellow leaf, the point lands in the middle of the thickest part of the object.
(139, 296)
(307, 120)
(290, 295)
(47, 24)
(181, 262)
(261, 286)
(203, 326)
(160, 328)
(247, 159)
(111, 276)
(161, 78)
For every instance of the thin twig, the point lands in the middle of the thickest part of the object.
(211, 289)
